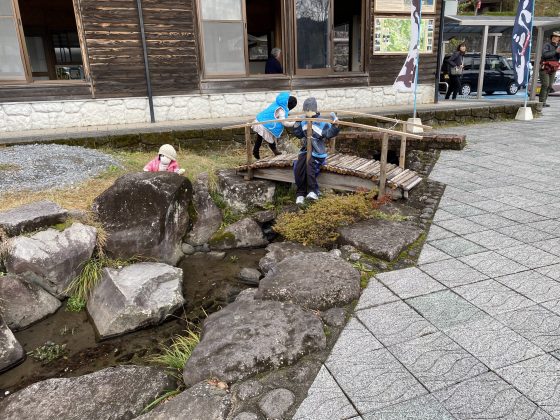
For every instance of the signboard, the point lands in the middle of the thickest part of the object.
(392, 35)
(428, 6)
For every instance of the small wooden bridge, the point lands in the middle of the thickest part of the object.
(342, 172)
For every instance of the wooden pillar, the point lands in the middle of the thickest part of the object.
(383, 166)
(309, 138)
(402, 154)
(248, 145)
(332, 146)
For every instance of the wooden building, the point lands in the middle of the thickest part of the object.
(201, 55)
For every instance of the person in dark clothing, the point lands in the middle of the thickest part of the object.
(273, 64)
(306, 174)
(550, 59)
(455, 62)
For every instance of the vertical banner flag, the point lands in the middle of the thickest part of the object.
(520, 47)
(406, 79)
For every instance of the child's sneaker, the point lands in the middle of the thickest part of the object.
(312, 196)
(299, 200)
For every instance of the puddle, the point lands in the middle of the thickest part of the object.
(208, 285)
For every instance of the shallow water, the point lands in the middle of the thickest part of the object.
(208, 285)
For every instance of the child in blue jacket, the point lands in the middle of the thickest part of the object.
(306, 175)
(270, 132)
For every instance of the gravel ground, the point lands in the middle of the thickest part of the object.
(43, 166)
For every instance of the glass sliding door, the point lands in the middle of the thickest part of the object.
(11, 57)
(223, 29)
(313, 32)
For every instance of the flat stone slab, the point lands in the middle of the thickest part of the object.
(425, 407)
(278, 251)
(318, 280)
(31, 217)
(23, 303)
(380, 238)
(251, 336)
(11, 352)
(115, 393)
(409, 282)
(134, 297)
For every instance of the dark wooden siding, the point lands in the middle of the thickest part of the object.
(383, 69)
(51, 91)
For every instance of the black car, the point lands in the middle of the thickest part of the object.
(498, 75)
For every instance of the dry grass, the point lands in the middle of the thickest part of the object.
(80, 197)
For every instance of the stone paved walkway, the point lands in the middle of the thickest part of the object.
(472, 332)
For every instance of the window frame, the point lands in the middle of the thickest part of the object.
(27, 78)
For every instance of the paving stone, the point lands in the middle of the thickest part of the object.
(492, 264)
(539, 380)
(521, 216)
(372, 379)
(493, 343)
(355, 337)
(452, 273)
(492, 206)
(537, 324)
(409, 282)
(491, 221)
(551, 246)
(551, 211)
(442, 215)
(529, 256)
(552, 271)
(549, 226)
(493, 297)
(533, 285)
(525, 233)
(461, 226)
(394, 323)
(492, 240)
(431, 254)
(463, 210)
(437, 361)
(375, 294)
(487, 397)
(457, 246)
(436, 232)
(323, 399)
(425, 407)
(445, 309)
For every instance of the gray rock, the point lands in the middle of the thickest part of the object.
(247, 389)
(380, 238)
(11, 352)
(209, 216)
(135, 296)
(278, 251)
(250, 336)
(52, 258)
(334, 317)
(317, 280)
(250, 276)
(264, 216)
(187, 249)
(114, 393)
(336, 252)
(219, 255)
(241, 195)
(274, 404)
(246, 416)
(22, 303)
(355, 256)
(203, 401)
(243, 234)
(347, 250)
(31, 217)
(145, 214)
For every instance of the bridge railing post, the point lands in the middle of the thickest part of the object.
(383, 166)
(402, 154)
(249, 174)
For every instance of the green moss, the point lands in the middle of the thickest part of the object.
(64, 225)
(222, 237)
(327, 330)
(364, 279)
(75, 304)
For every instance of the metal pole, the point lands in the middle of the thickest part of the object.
(526, 80)
(146, 64)
(538, 52)
(417, 58)
(482, 63)
(441, 49)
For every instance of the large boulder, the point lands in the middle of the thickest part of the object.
(135, 296)
(11, 352)
(318, 280)
(204, 401)
(52, 258)
(115, 393)
(242, 195)
(209, 216)
(145, 214)
(22, 303)
(250, 336)
(243, 234)
(279, 251)
(381, 238)
(31, 217)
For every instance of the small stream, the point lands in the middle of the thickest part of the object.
(208, 284)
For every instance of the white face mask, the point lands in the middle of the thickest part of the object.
(165, 160)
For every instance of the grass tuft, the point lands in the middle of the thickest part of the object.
(48, 352)
(176, 355)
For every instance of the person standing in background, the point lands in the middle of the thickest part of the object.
(274, 64)
(455, 64)
(549, 65)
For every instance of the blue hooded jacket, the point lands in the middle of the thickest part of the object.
(275, 128)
